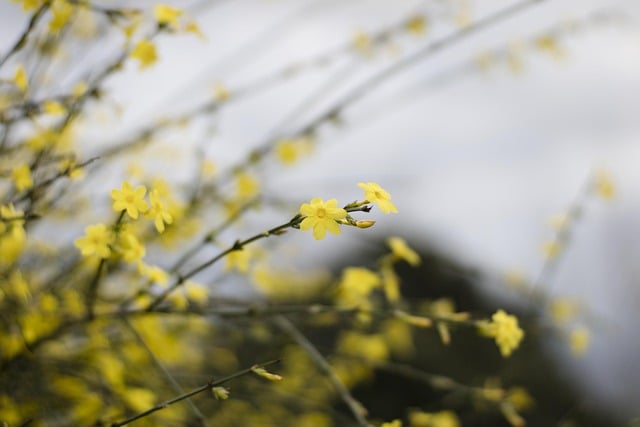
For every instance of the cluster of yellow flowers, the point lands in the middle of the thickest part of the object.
(504, 329)
(326, 216)
(100, 240)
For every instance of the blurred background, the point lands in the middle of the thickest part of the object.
(486, 120)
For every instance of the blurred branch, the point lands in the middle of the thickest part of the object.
(199, 415)
(207, 386)
(22, 40)
(356, 408)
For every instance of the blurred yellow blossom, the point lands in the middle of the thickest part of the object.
(247, 186)
(436, 419)
(167, 15)
(604, 186)
(394, 423)
(321, 216)
(158, 211)
(29, 5)
(416, 25)
(551, 249)
(238, 260)
(20, 78)
(221, 93)
(549, 44)
(138, 399)
(362, 43)
(145, 53)
(505, 330)
(390, 282)
(53, 107)
(21, 175)
(563, 309)
(130, 247)
(370, 347)
(287, 152)
(154, 274)
(355, 286)
(579, 340)
(129, 199)
(373, 193)
(61, 11)
(401, 250)
(97, 241)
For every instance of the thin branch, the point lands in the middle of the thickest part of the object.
(366, 87)
(237, 246)
(207, 386)
(22, 40)
(199, 415)
(354, 406)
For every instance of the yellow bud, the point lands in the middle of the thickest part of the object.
(421, 322)
(261, 372)
(220, 393)
(365, 223)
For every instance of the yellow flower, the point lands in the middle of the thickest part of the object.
(130, 247)
(416, 25)
(154, 274)
(22, 177)
(604, 186)
(551, 249)
(220, 393)
(287, 152)
(238, 260)
(158, 211)
(401, 250)
(20, 78)
(96, 241)
(321, 217)
(79, 89)
(53, 107)
(355, 286)
(362, 43)
(29, 5)
(548, 44)
(505, 330)
(138, 399)
(61, 11)
(261, 372)
(579, 341)
(394, 423)
(221, 93)
(436, 419)
(375, 194)
(129, 199)
(145, 53)
(166, 15)
(370, 347)
(246, 186)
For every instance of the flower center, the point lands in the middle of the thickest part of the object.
(321, 213)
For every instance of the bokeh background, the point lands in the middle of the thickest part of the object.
(481, 144)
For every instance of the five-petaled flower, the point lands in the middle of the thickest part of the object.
(373, 193)
(322, 217)
(166, 15)
(158, 211)
(145, 53)
(130, 199)
(96, 241)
